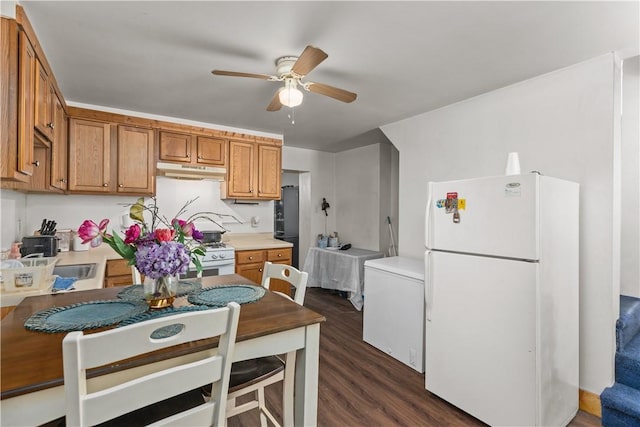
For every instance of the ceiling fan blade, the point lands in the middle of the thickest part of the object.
(310, 58)
(275, 104)
(333, 92)
(237, 74)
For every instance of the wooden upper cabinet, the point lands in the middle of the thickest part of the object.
(242, 169)
(59, 165)
(89, 156)
(43, 106)
(136, 169)
(269, 171)
(26, 96)
(192, 149)
(211, 151)
(254, 171)
(174, 147)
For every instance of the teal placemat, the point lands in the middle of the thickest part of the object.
(85, 315)
(166, 331)
(136, 292)
(220, 296)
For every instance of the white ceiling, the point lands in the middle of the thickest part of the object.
(401, 58)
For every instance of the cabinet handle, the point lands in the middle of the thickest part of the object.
(36, 163)
(188, 155)
(50, 125)
(62, 180)
(250, 257)
(105, 185)
(279, 255)
(199, 157)
(120, 185)
(260, 270)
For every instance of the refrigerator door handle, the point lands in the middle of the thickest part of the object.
(427, 218)
(428, 286)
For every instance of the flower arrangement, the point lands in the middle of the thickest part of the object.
(158, 249)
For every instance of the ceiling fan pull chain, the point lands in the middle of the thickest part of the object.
(292, 115)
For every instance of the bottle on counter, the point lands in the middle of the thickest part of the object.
(15, 250)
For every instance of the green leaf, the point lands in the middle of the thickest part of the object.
(198, 264)
(118, 245)
(136, 212)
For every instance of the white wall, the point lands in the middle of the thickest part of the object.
(630, 143)
(13, 211)
(357, 202)
(562, 124)
(317, 180)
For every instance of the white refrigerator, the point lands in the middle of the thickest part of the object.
(501, 293)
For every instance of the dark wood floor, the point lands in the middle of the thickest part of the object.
(361, 386)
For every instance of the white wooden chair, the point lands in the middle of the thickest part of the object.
(252, 376)
(85, 406)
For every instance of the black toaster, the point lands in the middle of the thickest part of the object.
(45, 245)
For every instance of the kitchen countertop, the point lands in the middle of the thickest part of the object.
(103, 253)
(251, 241)
(98, 255)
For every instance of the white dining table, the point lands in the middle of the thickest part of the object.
(339, 270)
(32, 376)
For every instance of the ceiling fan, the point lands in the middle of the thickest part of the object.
(291, 70)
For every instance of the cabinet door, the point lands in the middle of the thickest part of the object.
(89, 156)
(136, 170)
(280, 256)
(59, 147)
(211, 151)
(241, 169)
(43, 113)
(269, 171)
(252, 272)
(175, 147)
(26, 99)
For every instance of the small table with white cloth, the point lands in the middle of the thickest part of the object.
(339, 270)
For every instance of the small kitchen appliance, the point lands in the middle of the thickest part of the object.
(45, 245)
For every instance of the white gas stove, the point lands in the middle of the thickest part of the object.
(219, 259)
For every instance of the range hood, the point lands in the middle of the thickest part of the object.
(176, 170)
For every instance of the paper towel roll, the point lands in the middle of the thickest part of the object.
(513, 164)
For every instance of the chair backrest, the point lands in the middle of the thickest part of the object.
(289, 274)
(82, 352)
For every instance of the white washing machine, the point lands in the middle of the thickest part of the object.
(394, 308)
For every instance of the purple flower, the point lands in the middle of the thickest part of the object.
(164, 259)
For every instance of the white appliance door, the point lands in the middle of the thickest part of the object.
(495, 216)
(480, 336)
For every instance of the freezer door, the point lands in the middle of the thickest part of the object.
(495, 216)
(480, 336)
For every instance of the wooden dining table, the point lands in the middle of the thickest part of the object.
(32, 379)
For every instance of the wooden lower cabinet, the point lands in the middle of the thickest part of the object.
(250, 264)
(118, 273)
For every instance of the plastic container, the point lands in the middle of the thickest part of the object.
(35, 274)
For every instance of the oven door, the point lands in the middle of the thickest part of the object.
(212, 270)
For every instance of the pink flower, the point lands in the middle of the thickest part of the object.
(164, 234)
(89, 231)
(132, 234)
(186, 227)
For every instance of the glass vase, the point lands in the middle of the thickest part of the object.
(160, 293)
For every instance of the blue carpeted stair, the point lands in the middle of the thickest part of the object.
(621, 402)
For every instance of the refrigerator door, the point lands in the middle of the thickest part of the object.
(496, 216)
(480, 336)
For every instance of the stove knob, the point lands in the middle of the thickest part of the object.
(214, 256)
(222, 255)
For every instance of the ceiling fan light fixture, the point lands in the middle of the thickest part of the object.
(290, 95)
